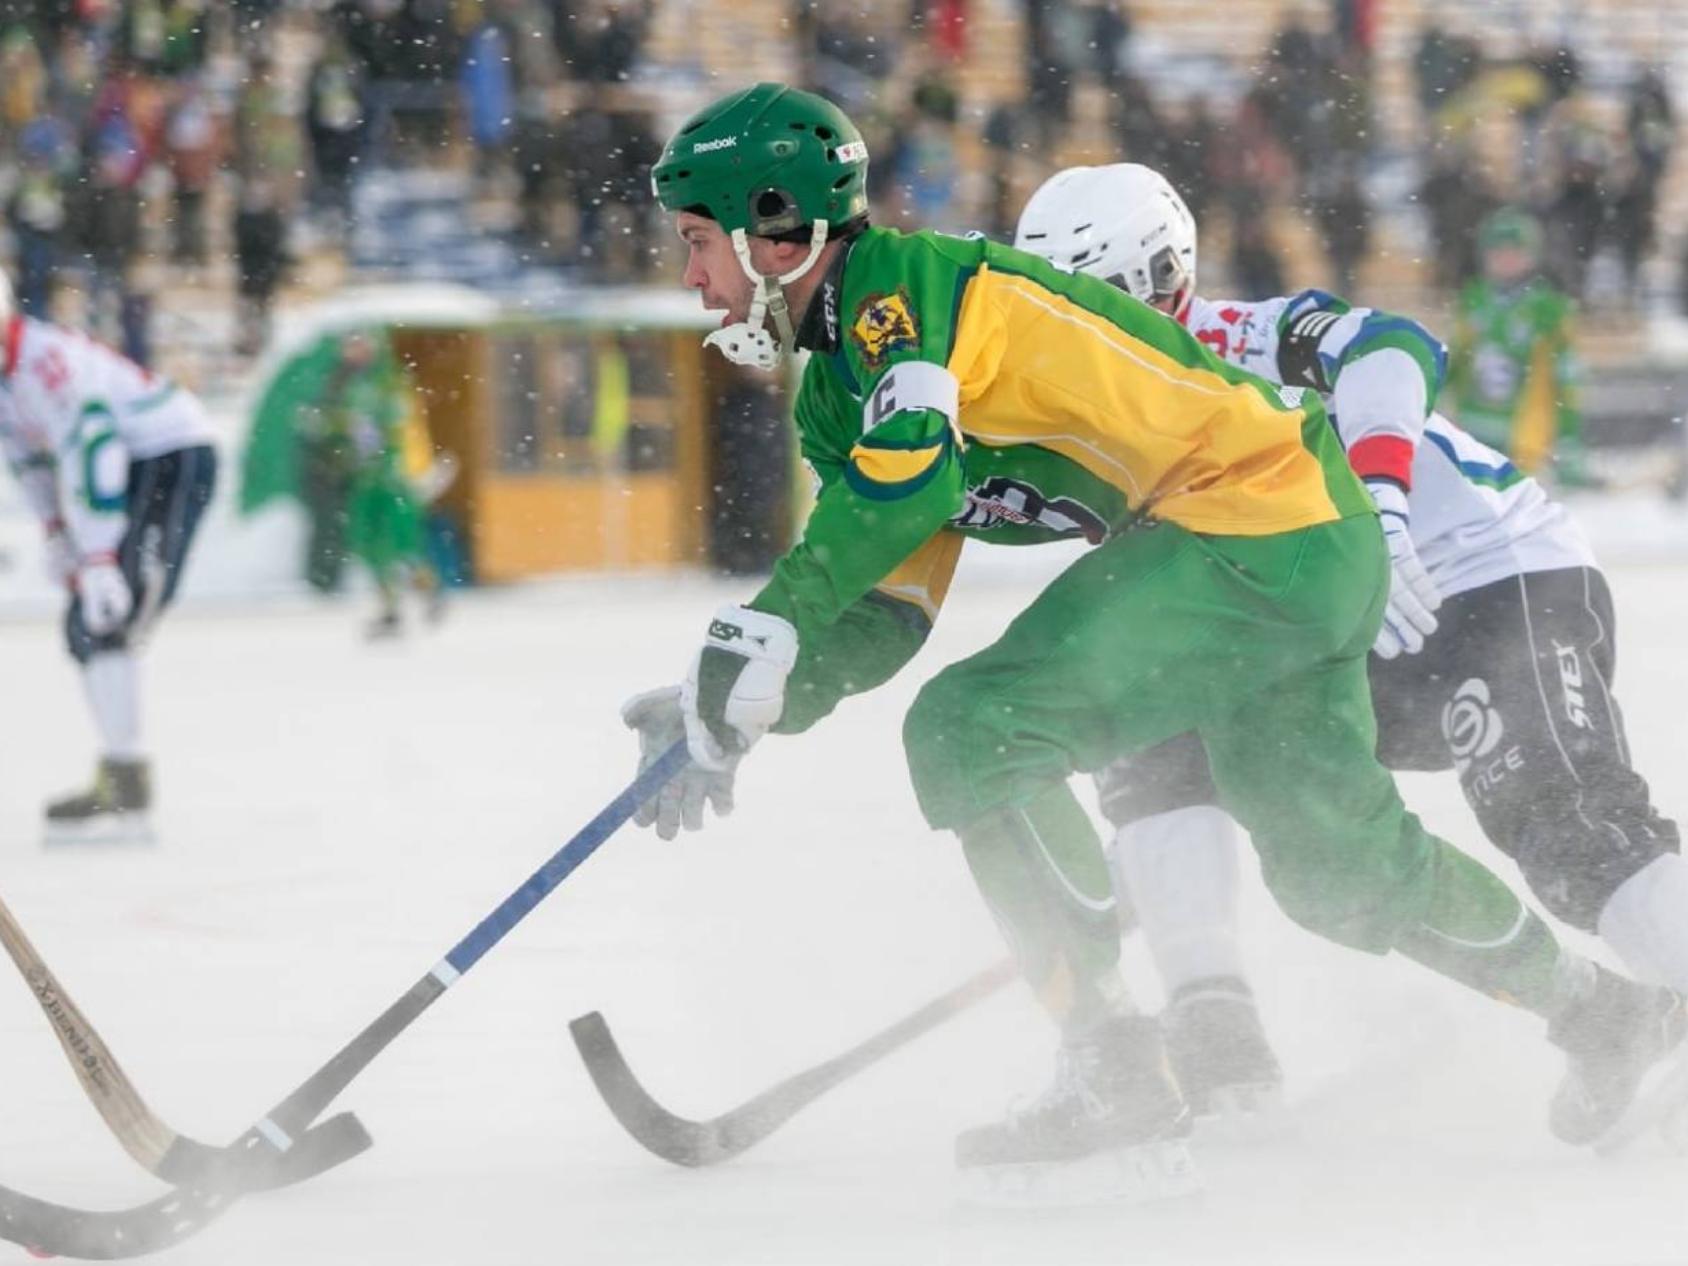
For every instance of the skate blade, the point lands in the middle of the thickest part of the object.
(1661, 1103)
(1244, 1114)
(1674, 1129)
(1139, 1174)
(1244, 1100)
(119, 830)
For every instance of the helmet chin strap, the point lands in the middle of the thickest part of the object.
(748, 342)
(1183, 299)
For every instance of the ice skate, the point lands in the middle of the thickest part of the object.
(112, 811)
(1628, 1065)
(1219, 1051)
(430, 591)
(1110, 1128)
(434, 604)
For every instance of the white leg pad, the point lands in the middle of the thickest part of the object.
(1646, 922)
(112, 682)
(1179, 870)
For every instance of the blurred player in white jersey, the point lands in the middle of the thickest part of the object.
(1495, 660)
(118, 464)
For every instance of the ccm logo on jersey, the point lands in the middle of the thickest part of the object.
(829, 310)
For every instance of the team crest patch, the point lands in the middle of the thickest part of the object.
(884, 324)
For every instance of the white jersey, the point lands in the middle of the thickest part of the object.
(1475, 518)
(73, 415)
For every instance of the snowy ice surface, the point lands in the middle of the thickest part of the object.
(335, 815)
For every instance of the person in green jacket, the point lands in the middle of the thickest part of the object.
(957, 388)
(1512, 372)
(331, 429)
(366, 410)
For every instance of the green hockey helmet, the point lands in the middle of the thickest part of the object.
(1510, 227)
(768, 160)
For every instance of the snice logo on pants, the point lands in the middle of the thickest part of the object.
(1470, 724)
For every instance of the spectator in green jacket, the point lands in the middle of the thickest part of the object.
(1512, 370)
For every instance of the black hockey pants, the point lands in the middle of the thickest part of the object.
(166, 496)
(1514, 693)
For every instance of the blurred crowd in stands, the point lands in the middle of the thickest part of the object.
(1528, 133)
(151, 142)
(1298, 131)
(146, 144)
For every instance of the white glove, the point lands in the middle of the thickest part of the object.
(1413, 595)
(735, 691)
(60, 563)
(103, 591)
(657, 718)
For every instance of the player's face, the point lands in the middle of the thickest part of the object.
(1508, 263)
(712, 269)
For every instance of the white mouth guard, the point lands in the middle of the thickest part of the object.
(748, 342)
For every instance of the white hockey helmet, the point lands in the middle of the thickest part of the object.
(1123, 223)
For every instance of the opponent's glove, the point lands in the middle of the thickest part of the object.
(60, 563)
(735, 691)
(656, 717)
(1413, 595)
(103, 591)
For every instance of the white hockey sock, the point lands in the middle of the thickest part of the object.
(111, 679)
(1179, 870)
(1646, 921)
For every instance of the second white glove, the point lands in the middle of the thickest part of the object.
(103, 591)
(656, 717)
(1413, 595)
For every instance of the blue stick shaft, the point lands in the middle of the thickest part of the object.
(60, 1230)
(305, 1104)
(514, 908)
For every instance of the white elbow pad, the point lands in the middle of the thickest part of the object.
(1381, 392)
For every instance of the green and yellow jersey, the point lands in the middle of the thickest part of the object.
(958, 387)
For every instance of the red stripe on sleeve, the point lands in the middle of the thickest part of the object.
(14, 336)
(1383, 457)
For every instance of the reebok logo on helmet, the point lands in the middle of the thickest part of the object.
(720, 142)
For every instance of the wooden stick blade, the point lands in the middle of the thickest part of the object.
(684, 1141)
